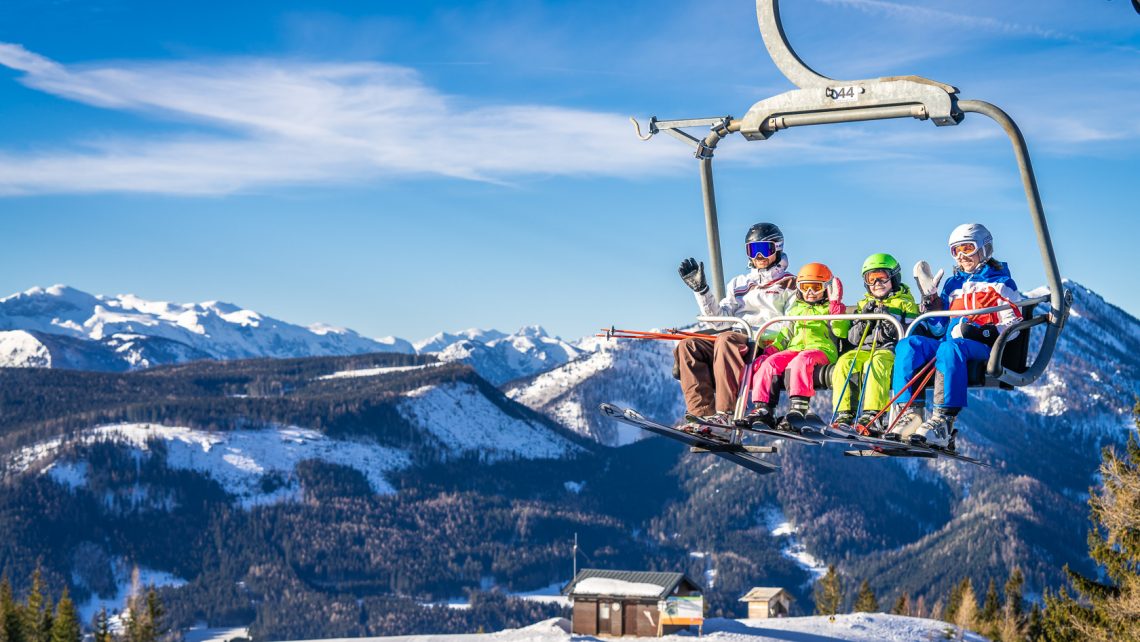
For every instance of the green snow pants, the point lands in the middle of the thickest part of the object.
(878, 393)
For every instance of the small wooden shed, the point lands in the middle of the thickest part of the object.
(619, 603)
(766, 602)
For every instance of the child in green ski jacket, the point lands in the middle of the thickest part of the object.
(874, 355)
(803, 346)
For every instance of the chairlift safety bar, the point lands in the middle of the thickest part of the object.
(820, 100)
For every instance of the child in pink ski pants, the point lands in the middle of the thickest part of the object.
(806, 344)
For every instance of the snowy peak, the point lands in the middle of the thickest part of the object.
(499, 357)
(140, 333)
(442, 340)
(532, 331)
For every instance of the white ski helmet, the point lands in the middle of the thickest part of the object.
(977, 234)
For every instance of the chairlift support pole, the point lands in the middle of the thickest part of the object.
(820, 100)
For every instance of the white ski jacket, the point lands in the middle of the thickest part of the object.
(755, 297)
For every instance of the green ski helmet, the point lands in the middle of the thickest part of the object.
(883, 261)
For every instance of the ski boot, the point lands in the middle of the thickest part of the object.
(844, 419)
(798, 410)
(765, 415)
(869, 425)
(937, 432)
(906, 424)
(710, 432)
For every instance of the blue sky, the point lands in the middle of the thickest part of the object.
(404, 168)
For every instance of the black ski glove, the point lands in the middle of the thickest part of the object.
(986, 334)
(886, 332)
(931, 303)
(693, 274)
(856, 332)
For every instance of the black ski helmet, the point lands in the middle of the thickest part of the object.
(765, 232)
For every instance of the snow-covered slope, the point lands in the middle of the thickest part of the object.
(853, 627)
(463, 421)
(627, 373)
(20, 349)
(467, 423)
(238, 460)
(125, 331)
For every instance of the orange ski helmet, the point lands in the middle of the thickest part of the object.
(814, 272)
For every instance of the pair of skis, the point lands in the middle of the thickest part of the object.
(809, 429)
(750, 457)
(812, 428)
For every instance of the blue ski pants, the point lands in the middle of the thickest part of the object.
(950, 358)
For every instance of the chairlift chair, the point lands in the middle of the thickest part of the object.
(820, 100)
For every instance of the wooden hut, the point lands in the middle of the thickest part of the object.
(766, 602)
(618, 603)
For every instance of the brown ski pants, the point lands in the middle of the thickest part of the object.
(711, 371)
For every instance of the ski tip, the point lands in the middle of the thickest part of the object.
(610, 410)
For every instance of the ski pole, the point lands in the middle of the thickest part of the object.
(671, 334)
(621, 334)
(867, 372)
(910, 401)
(921, 372)
(666, 331)
(847, 380)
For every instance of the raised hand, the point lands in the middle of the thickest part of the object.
(927, 282)
(693, 274)
(835, 296)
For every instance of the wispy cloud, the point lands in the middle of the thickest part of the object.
(285, 121)
(948, 18)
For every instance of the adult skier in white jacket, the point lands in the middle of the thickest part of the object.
(711, 372)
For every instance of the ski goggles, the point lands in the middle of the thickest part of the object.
(965, 248)
(877, 277)
(811, 287)
(766, 249)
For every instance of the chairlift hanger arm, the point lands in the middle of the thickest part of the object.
(821, 100)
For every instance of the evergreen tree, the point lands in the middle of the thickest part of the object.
(988, 620)
(10, 630)
(1014, 603)
(47, 620)
(902, 605)
(829, 593)
(1035, 627)
(992, 604)
(155, 616)
(1108, 610)
(65, 627)
(9, 615)
(966, 616)
(954, 601)
(866, 602)
(1013, 625)
(32, 622)
(102, 626)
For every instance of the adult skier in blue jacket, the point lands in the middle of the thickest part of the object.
(979, 281)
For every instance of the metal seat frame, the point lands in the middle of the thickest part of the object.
(821, 100)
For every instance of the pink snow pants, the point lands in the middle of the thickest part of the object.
(799, 366)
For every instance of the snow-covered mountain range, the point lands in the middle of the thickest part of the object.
(401, 420)
(64, 327)
(61, 327)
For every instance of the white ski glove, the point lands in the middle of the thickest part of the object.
(927, 282)
(835, 296)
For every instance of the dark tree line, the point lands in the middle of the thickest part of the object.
(37, 618)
